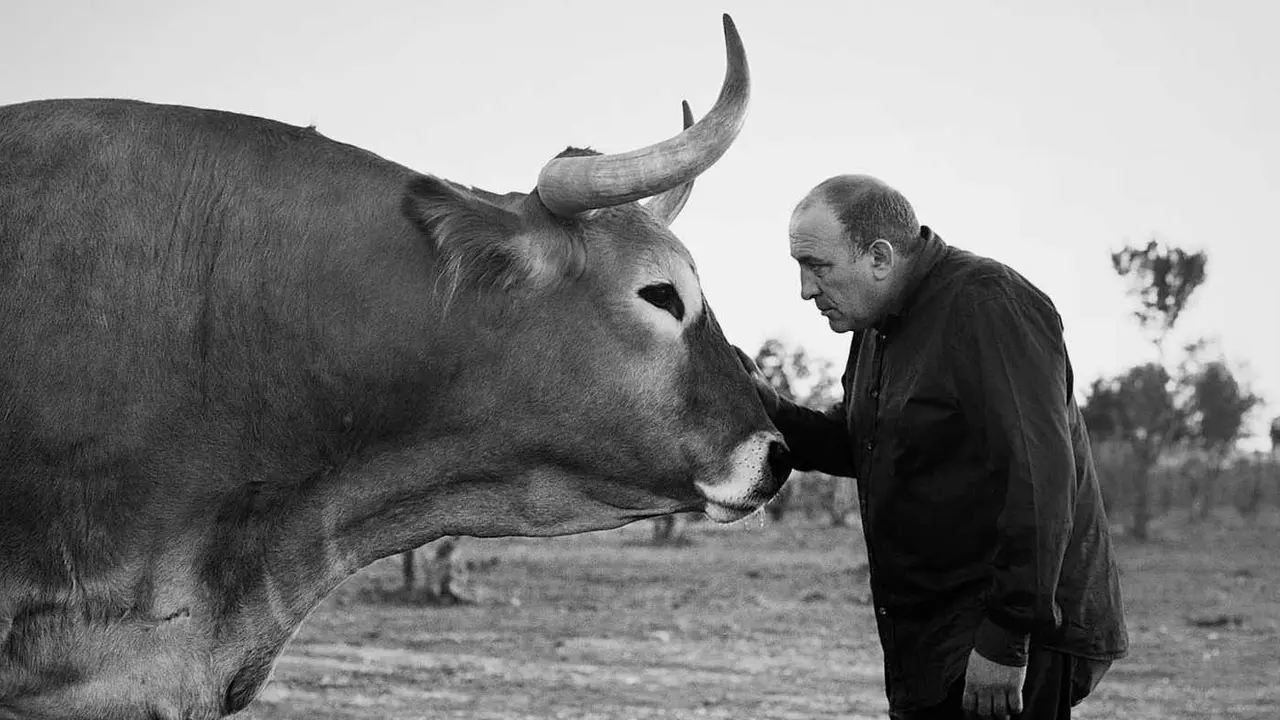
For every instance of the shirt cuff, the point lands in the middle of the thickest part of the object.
(1001, 646)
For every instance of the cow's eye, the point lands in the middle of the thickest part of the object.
(665, 297)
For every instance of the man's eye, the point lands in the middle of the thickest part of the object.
(665, 297)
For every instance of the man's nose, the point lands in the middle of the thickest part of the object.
(808, 288)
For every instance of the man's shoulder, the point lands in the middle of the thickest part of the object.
(975, 278)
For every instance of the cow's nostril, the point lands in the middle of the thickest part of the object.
(779, 460)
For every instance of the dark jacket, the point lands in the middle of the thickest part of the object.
(980, 505)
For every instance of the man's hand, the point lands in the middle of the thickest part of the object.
(768, 395)
(992, 690)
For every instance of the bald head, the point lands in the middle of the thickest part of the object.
(868, 210)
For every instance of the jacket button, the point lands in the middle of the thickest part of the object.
(875, 393)
(870, 445)
(882, 612)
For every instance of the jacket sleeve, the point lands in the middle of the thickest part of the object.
(1015, 382)
(818, 440)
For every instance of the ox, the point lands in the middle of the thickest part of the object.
(240, 361)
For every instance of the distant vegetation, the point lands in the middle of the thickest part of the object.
(1172, 416)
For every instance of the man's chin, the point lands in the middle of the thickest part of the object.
(841, 325)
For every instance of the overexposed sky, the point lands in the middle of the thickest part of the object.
(1044, 134)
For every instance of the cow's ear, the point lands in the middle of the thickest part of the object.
(478, 243)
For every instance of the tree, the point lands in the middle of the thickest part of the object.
(1103, 410)
(1138, 407)
(1141, 405)
(797, 376)
(1162, 278)
(1275, 435)
(1218, 409)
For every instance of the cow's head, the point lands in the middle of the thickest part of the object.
(604, 386)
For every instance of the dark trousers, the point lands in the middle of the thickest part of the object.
(1055, 682)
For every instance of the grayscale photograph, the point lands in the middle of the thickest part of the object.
(676, 360)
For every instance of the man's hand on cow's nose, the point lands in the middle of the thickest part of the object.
(768, 394)
(992, 690)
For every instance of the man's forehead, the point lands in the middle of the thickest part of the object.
(814, 224)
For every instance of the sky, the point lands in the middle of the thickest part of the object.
(1044, 134)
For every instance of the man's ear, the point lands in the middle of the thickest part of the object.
(482, 245)
(883, 258)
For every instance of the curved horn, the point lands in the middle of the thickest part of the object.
(570, 185)
(666, 206)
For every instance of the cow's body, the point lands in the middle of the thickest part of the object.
(240, 361)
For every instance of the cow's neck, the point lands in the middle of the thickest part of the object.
(367, 511)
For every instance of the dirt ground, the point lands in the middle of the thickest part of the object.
(748, 621)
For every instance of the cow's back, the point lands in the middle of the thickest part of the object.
(147, 252)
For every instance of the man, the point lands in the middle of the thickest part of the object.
(995, 587)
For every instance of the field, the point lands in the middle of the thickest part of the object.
(750, 620)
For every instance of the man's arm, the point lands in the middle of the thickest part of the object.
(1014, 382)
(817, 440)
